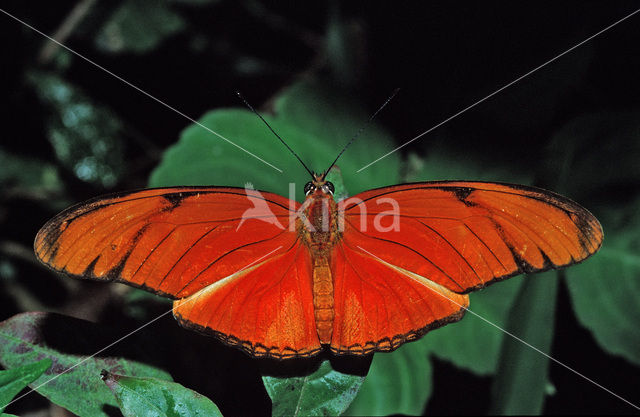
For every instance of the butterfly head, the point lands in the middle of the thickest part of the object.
(319, 184)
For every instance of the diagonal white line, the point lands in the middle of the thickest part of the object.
(192, 120)
(500, 89)
(518, 339)
(128, 334)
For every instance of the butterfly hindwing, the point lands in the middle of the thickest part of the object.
(378, 307)
(265, 309)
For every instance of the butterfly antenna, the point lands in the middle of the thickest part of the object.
(361, 130)
(239, 94)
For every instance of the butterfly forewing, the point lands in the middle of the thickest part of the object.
(464, 235)
(173, 240)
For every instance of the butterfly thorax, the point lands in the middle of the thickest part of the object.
(318, 228)
(318, 223)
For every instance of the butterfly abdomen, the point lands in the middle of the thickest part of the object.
(319, 232)
(323, 298)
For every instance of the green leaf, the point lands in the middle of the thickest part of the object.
(138, 397)
(86, 137)
(472, 343)
(398, 383)
(69, 344)
(323, 392)
(14, 380)
(302, 112)
(334, 119)
(521, 381)
(138, 26)
(606, 288)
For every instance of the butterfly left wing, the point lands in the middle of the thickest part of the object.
(196, 243)
(430, 243)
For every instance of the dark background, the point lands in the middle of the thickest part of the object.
(444, 56)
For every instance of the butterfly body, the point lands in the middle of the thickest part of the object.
(318, 228)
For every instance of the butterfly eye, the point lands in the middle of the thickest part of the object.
(308, 188)
(328, 188)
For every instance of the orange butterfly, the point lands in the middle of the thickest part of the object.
(281, 279)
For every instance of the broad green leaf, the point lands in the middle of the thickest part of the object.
(323, 392)
(334, 119)
(138, 26)
(397, 383)
(12, 381)
(606, 288)
(86, 137)
(315, 124)
(141, 397)
(472, 343)
(521, 381)
(69, 343)
(201, 158)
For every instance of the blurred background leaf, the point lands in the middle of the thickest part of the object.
(138, 26)
(28, 175)
(300, 114)
(85, 136)
(397, 383)
(521, 380)
(482, 355)
(609, 307)
(585, 143)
